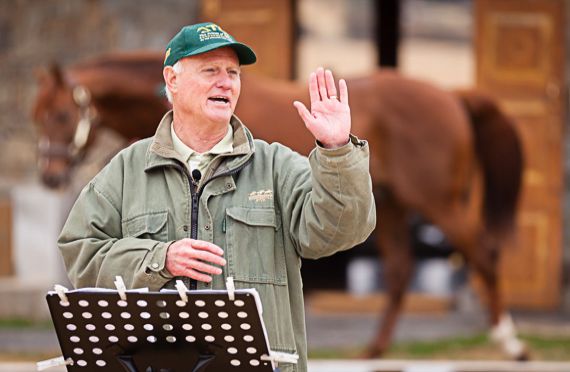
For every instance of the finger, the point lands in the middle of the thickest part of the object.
(343, 91)
(203, 267)
(207, 246)
(193, 274)
(313, 88)
(321, 83)
(303, 112)
(331, 88)
(207, 257)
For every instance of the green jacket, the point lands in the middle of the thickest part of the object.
(264, 204)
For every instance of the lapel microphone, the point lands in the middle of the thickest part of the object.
(196, 175)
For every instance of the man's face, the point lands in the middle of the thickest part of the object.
(208, 86)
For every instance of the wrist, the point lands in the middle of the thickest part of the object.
(333, 145)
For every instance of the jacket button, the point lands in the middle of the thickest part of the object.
(155, 265)
(185, 227)
(228, 185)
(207, 227)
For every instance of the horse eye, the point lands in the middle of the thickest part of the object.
(62, 117)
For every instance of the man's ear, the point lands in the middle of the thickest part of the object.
(169, 78)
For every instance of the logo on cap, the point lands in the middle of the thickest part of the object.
(212, 31)
(167, 54)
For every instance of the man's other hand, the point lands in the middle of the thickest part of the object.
(194, 259)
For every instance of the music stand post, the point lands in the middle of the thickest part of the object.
(168, 331)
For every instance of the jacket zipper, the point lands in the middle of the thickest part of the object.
(195, 193)
(193, 219)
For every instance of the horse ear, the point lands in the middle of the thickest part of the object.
(49, 75)
(56, 73)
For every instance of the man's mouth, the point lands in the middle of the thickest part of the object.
(220, 99)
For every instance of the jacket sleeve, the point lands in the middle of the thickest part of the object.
(95, 251)
(331, 206)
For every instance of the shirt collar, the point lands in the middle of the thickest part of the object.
(161, 151)
(224, 146)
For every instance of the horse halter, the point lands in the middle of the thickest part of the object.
(87, 118)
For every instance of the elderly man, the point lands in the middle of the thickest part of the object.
(203, 200)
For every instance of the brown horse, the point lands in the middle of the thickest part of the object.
(453, 158)
(122, 93)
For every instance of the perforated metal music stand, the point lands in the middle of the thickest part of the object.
(160, 332)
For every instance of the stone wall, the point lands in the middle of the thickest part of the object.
(34, 33)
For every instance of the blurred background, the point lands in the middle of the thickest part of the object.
(517, 50)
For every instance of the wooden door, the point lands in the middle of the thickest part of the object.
(520, 50)
(266, 26)
(6, 265)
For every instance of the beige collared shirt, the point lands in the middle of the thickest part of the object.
(200, 161)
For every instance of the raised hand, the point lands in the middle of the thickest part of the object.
(329, 118)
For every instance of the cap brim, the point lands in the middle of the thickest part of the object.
(245, 54)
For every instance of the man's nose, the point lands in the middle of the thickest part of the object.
(225, 81)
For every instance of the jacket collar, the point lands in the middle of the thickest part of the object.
(162, 153)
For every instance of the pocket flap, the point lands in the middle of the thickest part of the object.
(146, 224)
(253, 217)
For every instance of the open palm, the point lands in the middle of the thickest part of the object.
(329, 118)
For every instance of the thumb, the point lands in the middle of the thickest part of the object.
(303, 112)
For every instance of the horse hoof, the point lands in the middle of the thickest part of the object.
(524, 356)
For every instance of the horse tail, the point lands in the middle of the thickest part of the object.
(499, 151)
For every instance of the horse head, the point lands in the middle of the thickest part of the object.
(64, 116)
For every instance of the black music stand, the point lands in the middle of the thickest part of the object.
(98, 330)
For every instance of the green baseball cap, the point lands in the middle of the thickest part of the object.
(201, 38)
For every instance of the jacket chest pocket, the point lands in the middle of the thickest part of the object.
(254, 245)
(147, 226)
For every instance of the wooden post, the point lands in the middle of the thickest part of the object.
(6, 264)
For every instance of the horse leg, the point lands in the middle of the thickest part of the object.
(395, 250)
(485, 262)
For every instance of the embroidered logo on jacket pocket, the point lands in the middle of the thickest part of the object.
(261, 196)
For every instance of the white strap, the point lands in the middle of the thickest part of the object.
(182, 290)
(280, 357)
(54, 362)
(120, 284)
(231, 288)
(61, 293)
